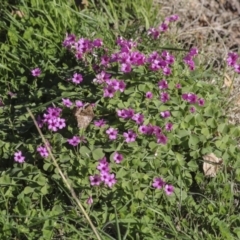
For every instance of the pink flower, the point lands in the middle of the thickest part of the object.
(99, 123)
(125, 67)
(201, 102)
(178, 86)
(192, 109)
(130, 136)
(164, 97)
(79, 103)
(43, 151)
(112, 133)
(169, 189)
(168, 126)
(97, 43)
(36, 72)
(149, 95)
(110, 180)
(67, 102)
(165, 114)
(237, 68)
(193, 52)
(18, 157)
(232, 58)
(77, 78)
(95, 180)
(117, 157)
(161, 138)
(109, 91)
(163, 84)
(90, 201)
(138, 118)
(158, 183)
(74, 141)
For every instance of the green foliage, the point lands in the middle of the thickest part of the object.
(35, 203)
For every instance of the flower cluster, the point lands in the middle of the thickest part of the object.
(159, 183)
(161, 61)
(105, 176)
(232, 61)
(163, 27)
(129, 114)
(52, 119)
(81, 46)
(188, 59)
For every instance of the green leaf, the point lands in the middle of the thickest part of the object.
(98, 153)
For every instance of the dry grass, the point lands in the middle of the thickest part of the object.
(214, 27)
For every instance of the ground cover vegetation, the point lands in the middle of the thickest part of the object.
(130, 123)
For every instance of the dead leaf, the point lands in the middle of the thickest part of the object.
(84, 115)
(228, 82)
(211, 164)
(237, 100)
(18, 13)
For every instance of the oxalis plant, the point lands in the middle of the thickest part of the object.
(130, 131)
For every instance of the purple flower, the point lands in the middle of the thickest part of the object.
(232, 59)
(112, 133)
(130, 136)
(158, 183)
(109, 91)
(143, 129)
(192, 109)
(138, 118)
(77, 78)
(125, 67)
(117, 157)
(99, 123)
(79, 103)
(164, 97)
(237, 68)
(163, 84)
(165, 114)
(43, 151)
(74, 141)
(201, 102)
(161, 138)
(110, 180)
(178, 86)
(193, 52)
(67, 102)
(149, 95)
(90, 201)
(166, 71)
(153, 32)
(95, 180)
(168, 126)
(172, 18)
(190, 97)
(97, 43)
(168, 189)
(36, 72)
(163, 27)
(18, 157)
(61, 123)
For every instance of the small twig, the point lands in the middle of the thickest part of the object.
(74, 196)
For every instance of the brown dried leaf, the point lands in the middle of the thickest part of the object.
(237, 100)
(211, 164)
(84, 115)
(228, 82)
(18, 13)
